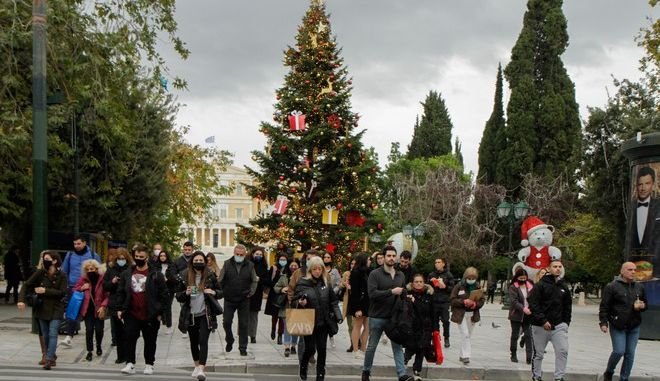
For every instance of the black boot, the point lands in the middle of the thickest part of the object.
(279, 339)
(365, 375)
(514, 357)
(302, 371)
(99, 350)
(320, 374)
(446, 342)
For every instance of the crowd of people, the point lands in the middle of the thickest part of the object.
(135, 291)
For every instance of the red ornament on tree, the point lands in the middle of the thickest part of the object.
(283, 148)
(339, 205)
(334, 121)
(330, 248)
(380, 226)
(297, 121)
(354, 218)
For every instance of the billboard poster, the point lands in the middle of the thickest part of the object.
(643, 237)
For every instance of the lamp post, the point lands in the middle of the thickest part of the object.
(511, 213)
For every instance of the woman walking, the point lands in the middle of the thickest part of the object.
(94, 306)
(261, 269)
(424, 322)
(199, 308)
(467, 298)
(519, 314)
(121, 262)
(168, 269)
(281, 288)
(358, 305)
(274, 275)
(50, 286)
(313, 291)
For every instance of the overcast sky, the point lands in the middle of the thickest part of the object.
(396, 51)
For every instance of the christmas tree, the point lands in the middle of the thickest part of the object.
(320, 180)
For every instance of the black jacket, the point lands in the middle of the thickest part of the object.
(379, 287)
(237, 282)
(261, 270)
(113, 288)
(184, 299)
(358, 298)
(407, 272)
(616, 305)
(425, 321)
(550, 301)
(441, 295)
(156, 293)
(320, 297)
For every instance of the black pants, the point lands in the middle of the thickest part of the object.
(316, 342)
(167, 313)
(149, 330)
(277, 322)
(442, 310)
(198, 332)
(516, 328)
(12, 284)
(243, 309)
(93, 326)
(419, 358)
(119, 334)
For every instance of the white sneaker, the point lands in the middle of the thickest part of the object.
(148, 369)
(196, 372)
(384, 340)
(128, 369)
(66, 342)
(201, 376)
(332, 342)
(168, 331)
(184, 335)
(358, 354)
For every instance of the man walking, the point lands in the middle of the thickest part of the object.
(238, 282)
(405, 265)
(384, 286)
(550, 304)
(182, 262)
(72, 266)
(443, 282)
(142, 297)
(620, 313)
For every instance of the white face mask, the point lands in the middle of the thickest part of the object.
(239, 258)
(470, 281)
(156, 252)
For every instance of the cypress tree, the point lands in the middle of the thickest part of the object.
(458, 151)
(432, 135)
(492, 140)
(543, 127)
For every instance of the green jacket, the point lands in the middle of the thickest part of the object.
(53, 305)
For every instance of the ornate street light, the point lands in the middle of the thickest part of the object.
(511, 213)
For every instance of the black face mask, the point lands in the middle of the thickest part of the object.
(199, 266)
(140, 262)
(522, 281)
(93, 276)
(47, 264)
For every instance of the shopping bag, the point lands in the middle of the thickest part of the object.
(437, 345)
(73, 307)
(300, 321)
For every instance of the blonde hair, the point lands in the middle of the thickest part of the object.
(471, 271)
(88, 262)
(313, 263)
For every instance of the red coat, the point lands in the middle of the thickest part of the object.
(100, 295)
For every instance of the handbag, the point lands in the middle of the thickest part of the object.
(73, 307)
(300, 321)
(213, 305)
(33, 300)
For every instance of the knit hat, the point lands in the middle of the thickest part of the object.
(531, 224)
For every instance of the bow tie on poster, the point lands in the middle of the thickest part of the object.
(644, 204)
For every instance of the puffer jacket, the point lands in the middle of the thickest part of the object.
(424, 314)
(320, 297)
(616, 305)
(52, 307)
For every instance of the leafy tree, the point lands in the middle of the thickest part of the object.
(323, 166)
(432, 134)
(493, 137)
(542, 135)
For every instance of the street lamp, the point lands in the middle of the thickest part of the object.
(511, 213)
(409, 234)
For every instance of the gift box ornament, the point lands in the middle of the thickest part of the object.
(280, 205)
(330, 215)
(297, 121)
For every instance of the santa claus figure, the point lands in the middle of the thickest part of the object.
(537, 252)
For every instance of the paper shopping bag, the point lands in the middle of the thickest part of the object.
(300, 321)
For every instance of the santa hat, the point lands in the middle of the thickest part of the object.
(531, 224)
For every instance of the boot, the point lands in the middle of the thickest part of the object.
(446, 342)
(514, 357)
(272, 334)
(279, 339)
(42, 343)
(99, 350)
(303, 372)
(49, 364)
(365, 375)
(320, 374)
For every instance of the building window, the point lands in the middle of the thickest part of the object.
(223, 237)
(215, 238)
(223, 210)
(239, 190)
(214, 214)
(239, 213)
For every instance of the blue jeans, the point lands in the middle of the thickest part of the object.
(49, 330)
(376, 327)
(288, 339)
(624, 342)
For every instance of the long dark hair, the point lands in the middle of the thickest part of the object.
(191, 270)
(361, 262)
(167, 255)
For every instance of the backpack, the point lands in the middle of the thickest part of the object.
(400, 327)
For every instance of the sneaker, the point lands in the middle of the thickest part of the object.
(287, 352)
(195, 372)
(358, 354)
(201, 376)
(446, 342)
(607, 376)
(66, 342)
(384, 340)
(332, 343)
(464, 360)
(417, 375)
(536, 379)
(148, 369)
(128, 369)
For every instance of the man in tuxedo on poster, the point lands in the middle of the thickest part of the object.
(645, 223)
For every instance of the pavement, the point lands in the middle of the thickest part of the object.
(588, 353)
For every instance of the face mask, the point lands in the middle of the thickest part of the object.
(257, 258)
(47, 264)
(121, 262)
(238, 258)
(282, 263)
(92, 275)
(471, 281)
(156, 252)
(199, 266)
(140, 262)
(522, 281)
